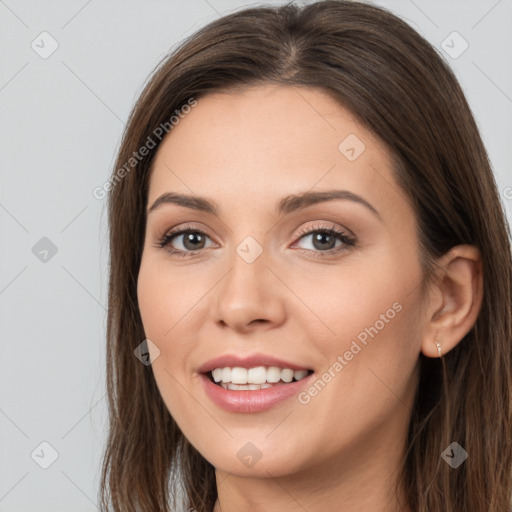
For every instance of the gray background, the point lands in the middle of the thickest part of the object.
(60, 126)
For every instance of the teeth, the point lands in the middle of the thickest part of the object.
(226, 375)
(273, 374)
(299, 374)
(242, 387)
(238, 375)
(287, 375)
(258, 377)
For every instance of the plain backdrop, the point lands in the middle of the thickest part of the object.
(70, 72)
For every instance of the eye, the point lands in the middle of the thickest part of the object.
(324, 239)
(187, 238)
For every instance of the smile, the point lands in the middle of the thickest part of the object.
(251, 397)
(259, 377)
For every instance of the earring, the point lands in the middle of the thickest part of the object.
(438, 348)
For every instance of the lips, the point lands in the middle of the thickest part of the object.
(247, 399)
(253, 401)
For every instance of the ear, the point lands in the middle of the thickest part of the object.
(455, 299)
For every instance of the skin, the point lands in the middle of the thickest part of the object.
(246, 150)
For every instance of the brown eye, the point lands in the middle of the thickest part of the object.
(184, 241)
(192, 240)
(323, 240)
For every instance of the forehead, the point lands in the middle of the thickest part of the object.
(267, 141)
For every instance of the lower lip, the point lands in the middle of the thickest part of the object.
(248, 401)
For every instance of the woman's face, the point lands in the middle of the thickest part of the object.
(272, 280)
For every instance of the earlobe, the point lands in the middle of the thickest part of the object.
(459, 290)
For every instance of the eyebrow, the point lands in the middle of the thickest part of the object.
(286, 205)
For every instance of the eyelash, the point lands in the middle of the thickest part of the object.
(348, 241)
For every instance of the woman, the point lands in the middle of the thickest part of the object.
(310, 259)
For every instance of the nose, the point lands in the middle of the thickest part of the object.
(249, 297)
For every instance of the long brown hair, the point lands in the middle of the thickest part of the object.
(397, 86)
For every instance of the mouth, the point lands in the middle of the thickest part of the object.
(256, 378)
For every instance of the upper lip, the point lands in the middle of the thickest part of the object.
(249, 361)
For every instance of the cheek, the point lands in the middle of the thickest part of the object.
(365, 295)
(153, 302)
(172, 306)
(372, 352)
(161, 307)
(165, 298)
(371, 311)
